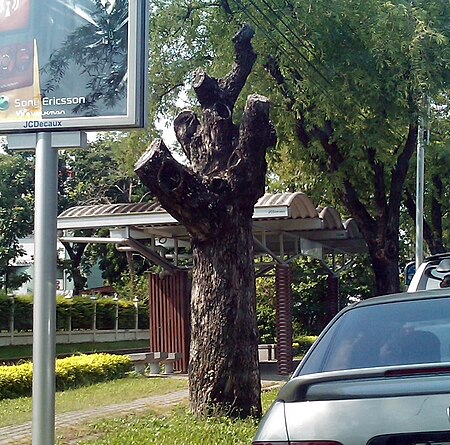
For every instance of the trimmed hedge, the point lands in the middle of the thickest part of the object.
(16, 381)
(72, 372)
(301, 344)
(80, 310)
(5, 312)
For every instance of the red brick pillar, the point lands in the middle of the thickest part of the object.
(332, 297)
(283, 318)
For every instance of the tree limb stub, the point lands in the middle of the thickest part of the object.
(226, 91)
(243, 64)
(206, 89)
(175, 184)
(186, 125)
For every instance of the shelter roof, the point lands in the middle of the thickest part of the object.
(282, 222)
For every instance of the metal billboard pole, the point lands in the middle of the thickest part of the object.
(29, 117)
(44, 313)
(45, 145)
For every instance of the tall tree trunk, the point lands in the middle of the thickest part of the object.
(214, 197)
(384, 251)
(224, 339)
(378, 217)
(75, 252)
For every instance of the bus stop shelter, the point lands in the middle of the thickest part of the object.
(285, 227)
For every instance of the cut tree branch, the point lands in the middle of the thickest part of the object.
(173, 184)
(244, 61)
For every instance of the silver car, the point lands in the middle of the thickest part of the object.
(433, 273)
(379, 374)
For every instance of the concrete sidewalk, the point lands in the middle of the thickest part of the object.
(17, 433)
(20, 433)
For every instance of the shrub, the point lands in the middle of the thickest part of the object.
(143, 316)
(82, 313)
(16, 381)
(127, 314)
(5, 312)
(303, 343)
(72, 372)
(64, 310)
(77, 312)
(106, 314)
(266, 324)
(23, 313)
(85, 370)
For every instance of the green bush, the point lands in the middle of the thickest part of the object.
(77, 312)
(302, 344)
(127, 314)
(266, 319)
(5, 312)
(86, 370)
(64, 309)
(106, 314)
(23, 313)
(143, 316)
(72, 372)
(82, 313)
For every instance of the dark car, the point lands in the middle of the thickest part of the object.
(379, 374)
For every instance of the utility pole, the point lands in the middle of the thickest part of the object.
(420, 179)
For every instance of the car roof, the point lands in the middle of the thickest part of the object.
(437, 256)
(404, 296)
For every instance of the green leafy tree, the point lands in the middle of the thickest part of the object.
(348, 80)
(309, 289)
(356, 91)
(100, 175)
(436, 228)
(16, 215)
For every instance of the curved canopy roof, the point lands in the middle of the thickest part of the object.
(284, 224)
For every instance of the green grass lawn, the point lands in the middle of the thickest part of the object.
(172, 426)
(21, 351)
(156, 426)
(17, 411)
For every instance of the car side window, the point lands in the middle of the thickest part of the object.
(384, 335)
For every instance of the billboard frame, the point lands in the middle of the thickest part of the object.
(136, 96)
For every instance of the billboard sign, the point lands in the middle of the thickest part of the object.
(72, 65)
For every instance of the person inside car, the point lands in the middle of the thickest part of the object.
(445, 281)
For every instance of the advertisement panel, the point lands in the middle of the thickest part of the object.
(72, 65)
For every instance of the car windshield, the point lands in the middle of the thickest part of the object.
(392, 333)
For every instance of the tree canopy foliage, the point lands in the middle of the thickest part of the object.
(100, 175)
(16, 215)
(347, 79)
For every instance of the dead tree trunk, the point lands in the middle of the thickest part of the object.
(214, 198)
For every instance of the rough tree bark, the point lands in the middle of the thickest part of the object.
(75, 252)
(379, 221)
(381, 232)
(214, 197)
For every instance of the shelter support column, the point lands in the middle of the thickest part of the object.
(169, 315)
(332, 297)
(283, 276)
